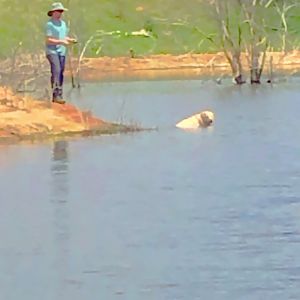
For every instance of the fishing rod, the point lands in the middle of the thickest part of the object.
(71, 54)
(71, 66)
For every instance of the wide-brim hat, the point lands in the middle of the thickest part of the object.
(56, 6)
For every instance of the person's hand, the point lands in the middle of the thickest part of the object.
(65, 42)
(72, 41)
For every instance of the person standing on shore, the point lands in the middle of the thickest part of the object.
(57, 40)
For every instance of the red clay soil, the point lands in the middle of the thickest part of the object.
(70, 112)
(29, 119)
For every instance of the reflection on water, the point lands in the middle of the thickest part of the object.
(59, 171)
(166, 214)
(59, 199)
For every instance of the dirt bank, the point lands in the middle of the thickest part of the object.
(29, 119)
(159, 66)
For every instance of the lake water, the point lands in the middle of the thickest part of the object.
(165, 214)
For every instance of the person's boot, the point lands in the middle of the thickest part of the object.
(59, 101)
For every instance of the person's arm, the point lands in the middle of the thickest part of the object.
(68, 38)
(54, 41)
(71, 40)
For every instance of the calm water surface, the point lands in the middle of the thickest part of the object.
(167, 214)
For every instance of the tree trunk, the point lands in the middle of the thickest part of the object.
(254, 68)
(237, 69)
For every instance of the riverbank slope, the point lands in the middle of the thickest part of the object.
(27, 119)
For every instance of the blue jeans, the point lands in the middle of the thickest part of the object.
(57, 64)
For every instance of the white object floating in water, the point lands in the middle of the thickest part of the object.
(202, 119)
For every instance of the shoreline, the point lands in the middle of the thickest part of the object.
(35, 120)
(37, 137)
(178, 66)
(23, 118)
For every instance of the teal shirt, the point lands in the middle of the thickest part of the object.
(56, 29)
